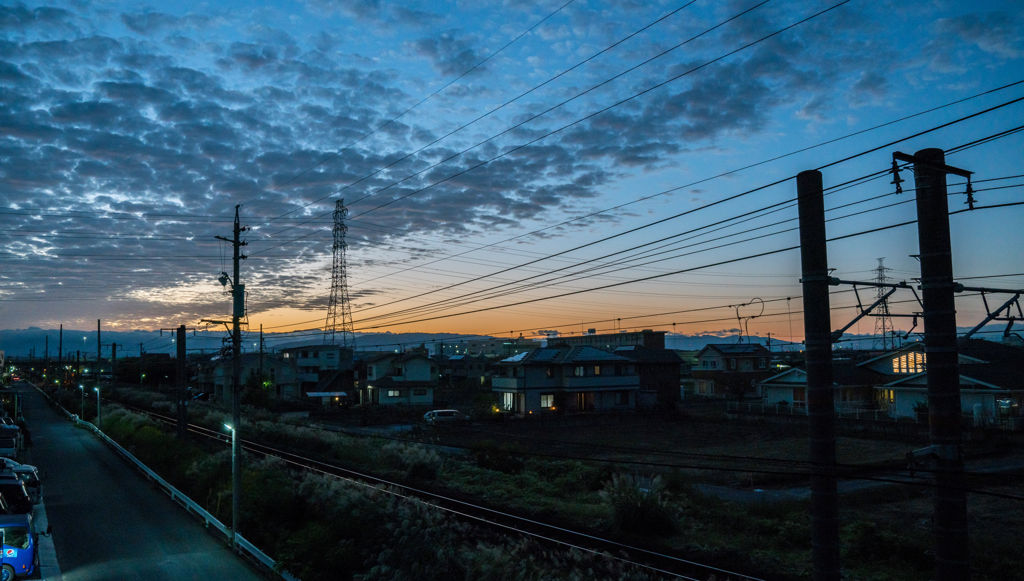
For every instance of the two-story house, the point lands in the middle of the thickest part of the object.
(659, 372)
(573, 379)
(323, 368)
(469, 368)
(280, 374)
(400, 379)
(732, 369)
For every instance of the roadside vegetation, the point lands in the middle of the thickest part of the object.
(321, 527)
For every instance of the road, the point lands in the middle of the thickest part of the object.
(108, 521)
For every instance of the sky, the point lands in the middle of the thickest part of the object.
(492, 153)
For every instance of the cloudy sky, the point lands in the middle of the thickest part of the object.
(474, 140)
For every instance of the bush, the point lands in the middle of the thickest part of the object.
(639, 505)
(506, 458)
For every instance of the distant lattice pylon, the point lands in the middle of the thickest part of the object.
(339, 309)
(883, 322)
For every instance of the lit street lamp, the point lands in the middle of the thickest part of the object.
(236, 486)
(98, 412)
(82, 387)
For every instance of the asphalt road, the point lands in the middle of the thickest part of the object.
(108, 521)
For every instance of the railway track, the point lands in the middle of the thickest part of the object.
(505, 522)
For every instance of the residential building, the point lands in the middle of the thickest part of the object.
(323, 369)
(469, 368)
(611, 341)
(732, 369)
(570, 379)
(281, 374)
(400, 379)
(896, 382)
(659, 373)
(687, 384)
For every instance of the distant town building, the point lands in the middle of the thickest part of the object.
(611, 341)
(323, 369)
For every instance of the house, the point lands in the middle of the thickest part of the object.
(989, 373)
(687, 384)
(280, 374)
(571, 379)
(468, 368)
(400, 379)
(659, 372)
(732, 369)
(853, 387)
(325, 370)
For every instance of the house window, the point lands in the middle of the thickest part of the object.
(551, 371)
(579, 371)
(761, 363)
(419, 392)
(331, 354)
(732, 364)
(547, 400)
(399, 371)
(909, 363)
(621, 398)
(597, 370)
(508, 401)
(394, 393)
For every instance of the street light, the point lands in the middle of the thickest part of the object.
(98, 412)
(236, 486)
(82, 387)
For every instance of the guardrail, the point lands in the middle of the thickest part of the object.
(244, 547)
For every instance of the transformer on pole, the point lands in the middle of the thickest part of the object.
(339, 307)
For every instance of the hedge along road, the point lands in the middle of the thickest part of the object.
(108, 521)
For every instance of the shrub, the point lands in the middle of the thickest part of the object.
(505, 458)
(639, 505)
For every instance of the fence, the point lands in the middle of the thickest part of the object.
(245, 549)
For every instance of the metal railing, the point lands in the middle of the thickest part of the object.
(244, 547)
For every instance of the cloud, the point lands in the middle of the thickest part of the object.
(149, 23)
(449, 54)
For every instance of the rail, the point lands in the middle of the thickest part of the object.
(244, 548)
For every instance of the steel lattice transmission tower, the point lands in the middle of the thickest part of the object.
(883, 322)
(339, 306)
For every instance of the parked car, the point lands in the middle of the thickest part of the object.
(446, 417)
(30, 477)
(18, 499)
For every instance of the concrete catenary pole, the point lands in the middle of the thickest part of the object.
(820, 410)
(952, 556)
(182, 385)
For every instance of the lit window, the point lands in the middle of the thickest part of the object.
(547, 400)
(394, 393)
(579, 371)
(909, 363)
(597, 370)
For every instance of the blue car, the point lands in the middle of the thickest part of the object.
(18, 557)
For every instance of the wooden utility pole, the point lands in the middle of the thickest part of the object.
(820, 405)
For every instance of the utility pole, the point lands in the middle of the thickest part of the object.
(182, 386)
(238, 311)
(113, 362)
(261, 351)
(98, 350)
(142, 375)
(60, 355)
(952, 542)
(820, 405)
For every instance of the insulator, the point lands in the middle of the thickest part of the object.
(970, 195)
(896, 179)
